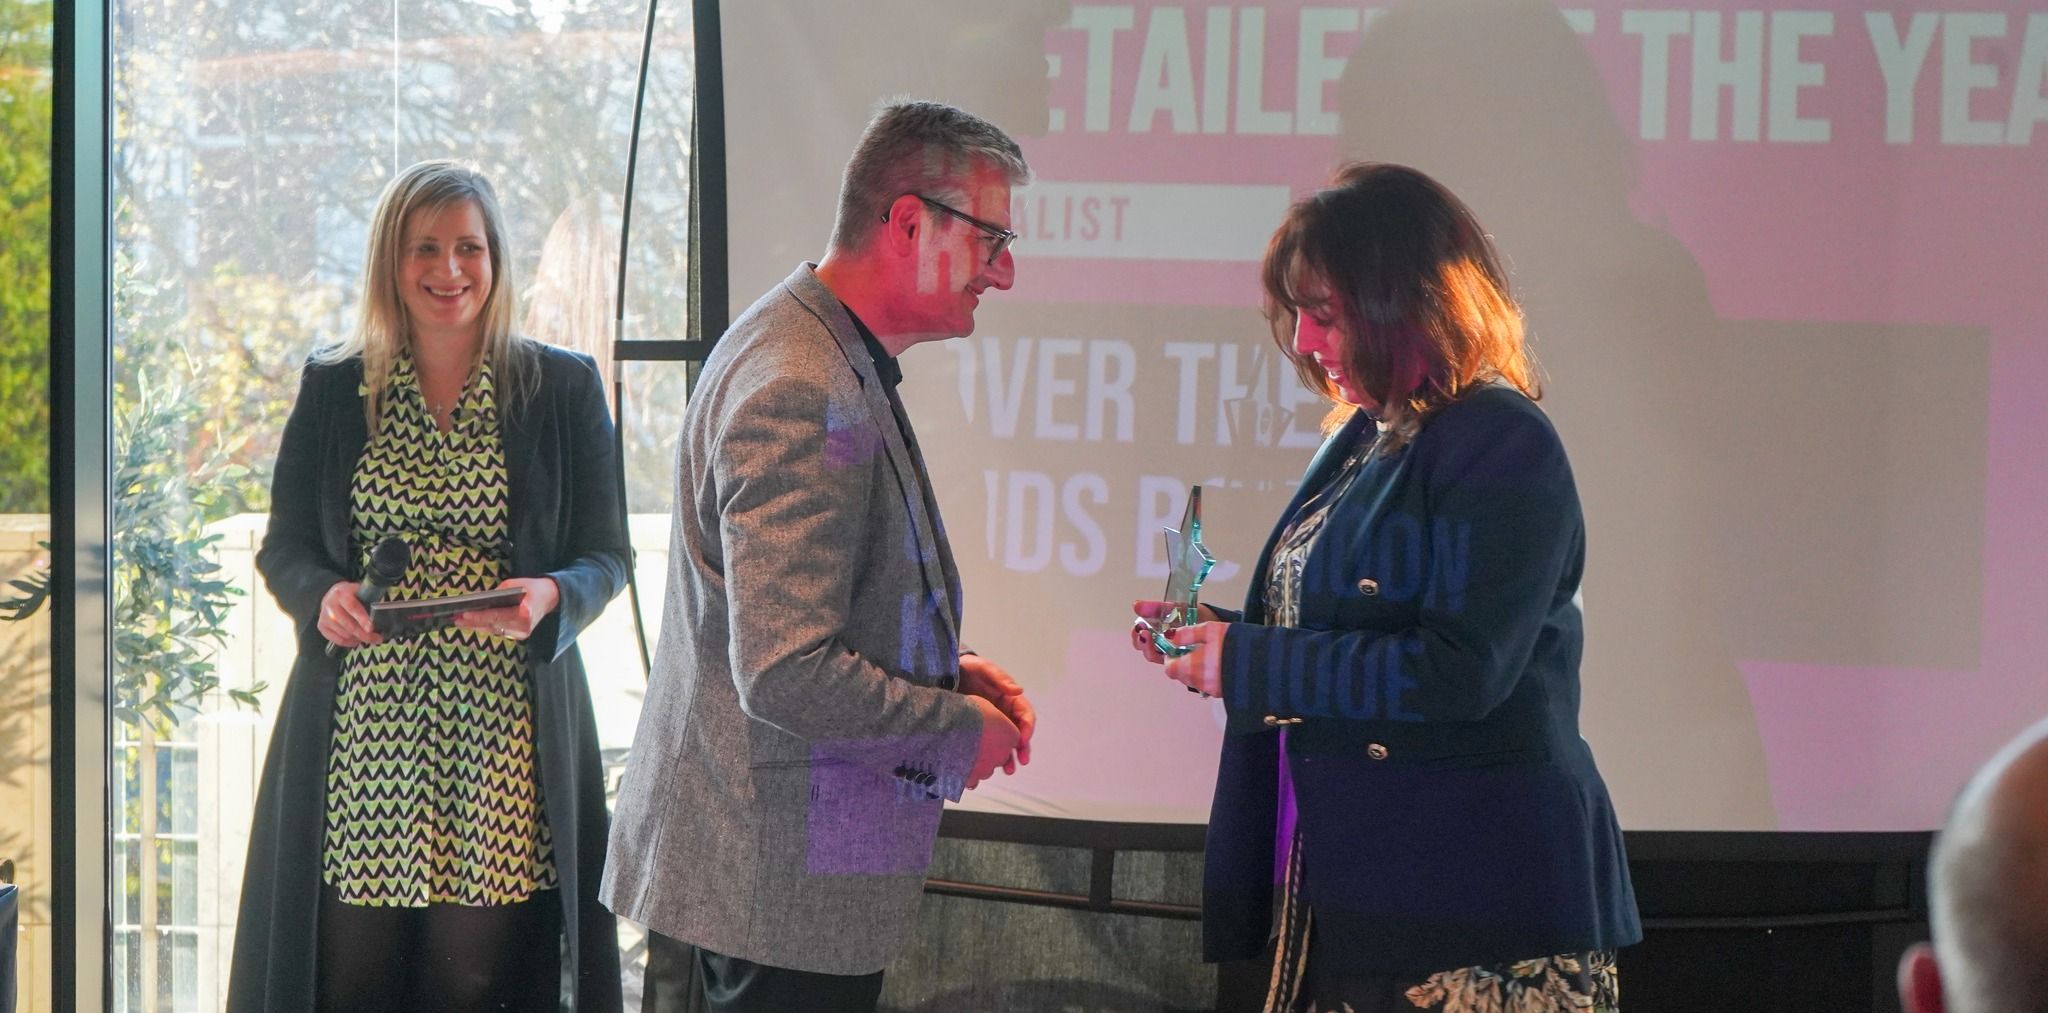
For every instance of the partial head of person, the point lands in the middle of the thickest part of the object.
(435, 278)
(1387, 295)
(923, 227)
(1987, 884)
(570, 301)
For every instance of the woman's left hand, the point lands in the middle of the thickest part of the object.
(1202, 668)
(518, 621)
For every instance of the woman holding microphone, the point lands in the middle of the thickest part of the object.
(431, 823)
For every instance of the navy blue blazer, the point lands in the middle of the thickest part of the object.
(1450, 813)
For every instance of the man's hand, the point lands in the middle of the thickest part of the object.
(987, 680)
(998, 741)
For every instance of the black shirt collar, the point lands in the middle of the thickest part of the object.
(885, 364)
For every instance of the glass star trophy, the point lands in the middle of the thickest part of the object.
(1188, 563)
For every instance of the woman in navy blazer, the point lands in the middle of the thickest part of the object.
(430, 826)
(1405, 813)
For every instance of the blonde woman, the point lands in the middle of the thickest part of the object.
(430, 825)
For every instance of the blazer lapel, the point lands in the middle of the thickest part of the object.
(934, 559)
(1320, 470)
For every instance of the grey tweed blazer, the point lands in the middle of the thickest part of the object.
(800, 726)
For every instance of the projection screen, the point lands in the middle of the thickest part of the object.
(1785, 275)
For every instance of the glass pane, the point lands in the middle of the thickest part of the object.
(25, 683)
(127, 978)
(180, 973)
(127, 788)
(180, 876)
(166, 972)
(251, 143)
(658, 272)
(128, 879)
(653, 395)
(177, 776)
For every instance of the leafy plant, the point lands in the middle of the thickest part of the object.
(171, 600)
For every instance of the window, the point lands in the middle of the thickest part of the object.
(26, 823)
(250, 142)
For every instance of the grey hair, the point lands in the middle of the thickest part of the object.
(925, 148)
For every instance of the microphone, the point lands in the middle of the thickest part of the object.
(388, 563)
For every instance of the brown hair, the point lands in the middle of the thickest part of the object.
(1414, 284)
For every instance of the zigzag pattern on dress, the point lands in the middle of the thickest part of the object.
(432, 792)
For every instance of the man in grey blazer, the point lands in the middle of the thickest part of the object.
(810, 705)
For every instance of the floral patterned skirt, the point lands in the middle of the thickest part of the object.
(1567, 983)
(1305, 982)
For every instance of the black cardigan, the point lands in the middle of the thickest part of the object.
(567, 524)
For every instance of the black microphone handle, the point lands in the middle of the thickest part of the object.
(369, 592)
(388, 563)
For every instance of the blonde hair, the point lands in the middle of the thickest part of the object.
(570, 303)
(384, 327)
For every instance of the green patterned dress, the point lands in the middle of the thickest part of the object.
(432, 793)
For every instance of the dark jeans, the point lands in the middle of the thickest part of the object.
(682, 978)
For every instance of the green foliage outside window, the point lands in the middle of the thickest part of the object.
(171, 598)
(25, 118)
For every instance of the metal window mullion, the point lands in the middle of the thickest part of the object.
(80, 509)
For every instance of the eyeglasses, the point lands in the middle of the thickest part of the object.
(1003, 237)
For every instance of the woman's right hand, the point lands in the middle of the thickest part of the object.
(343, 619)
(1154, 613)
